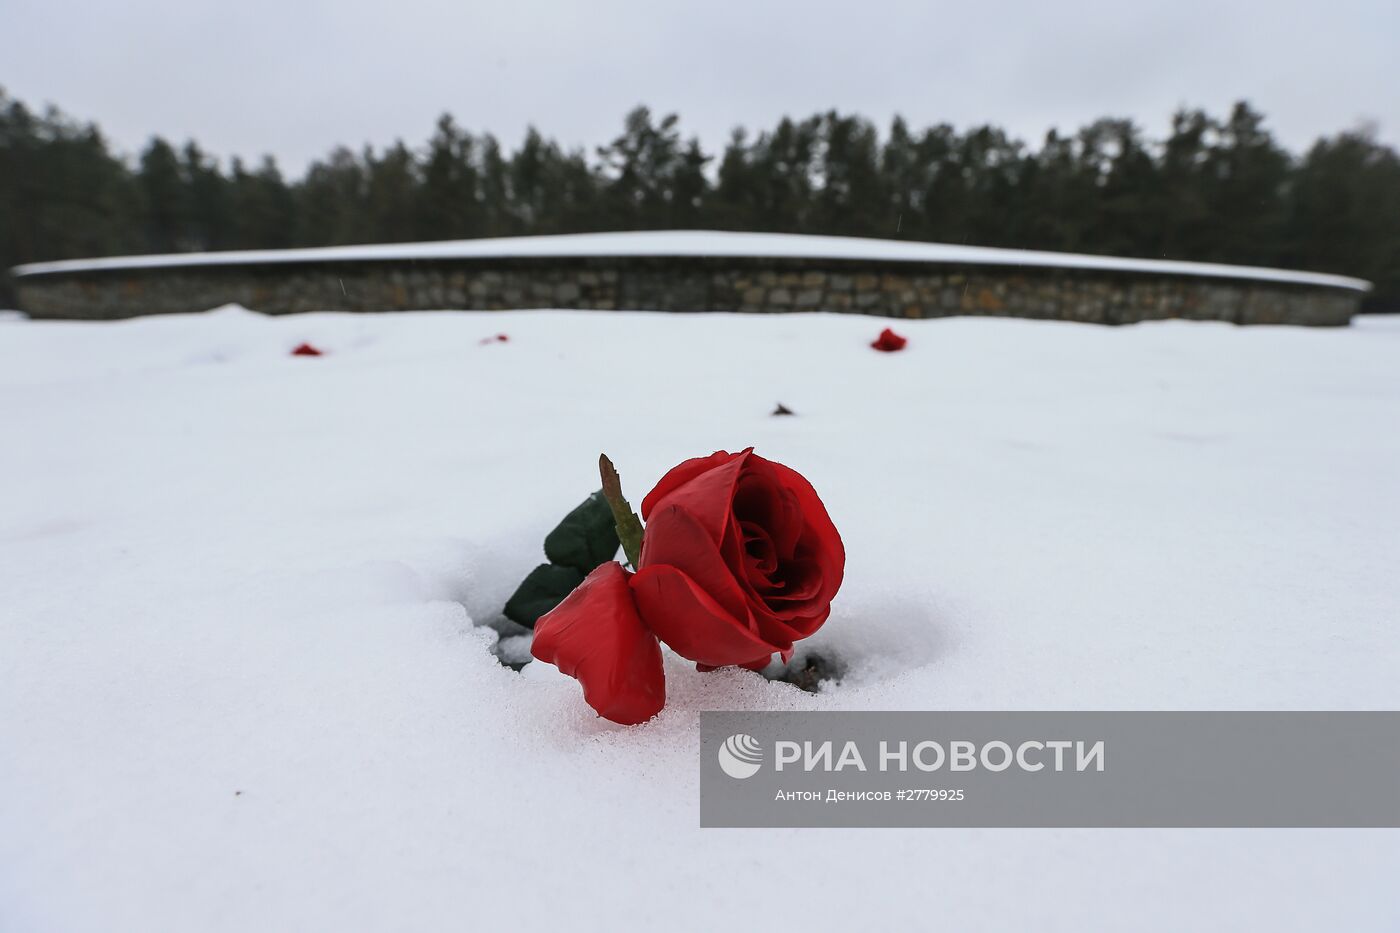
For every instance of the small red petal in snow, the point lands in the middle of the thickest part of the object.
(889, 341)
(499, 338)
(306, 349)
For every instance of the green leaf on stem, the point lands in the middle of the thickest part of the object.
(586, 537)
(541, 591)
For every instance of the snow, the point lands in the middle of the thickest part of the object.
(700, 243)
(241, 687)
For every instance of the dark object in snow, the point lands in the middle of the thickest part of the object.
(783, 410)
(512, 651)
(306, 349)
(889, 341)
(809, 672)
(499, 338)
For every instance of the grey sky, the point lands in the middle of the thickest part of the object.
(294, 78)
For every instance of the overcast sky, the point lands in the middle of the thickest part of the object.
(294, 78)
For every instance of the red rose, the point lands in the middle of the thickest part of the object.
(889, 341)
(739, 560)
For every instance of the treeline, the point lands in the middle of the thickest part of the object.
(1216, 189)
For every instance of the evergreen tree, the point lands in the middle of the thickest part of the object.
(1054, 212)
(210, 223)
(262, 207)
(392, 184)
(990, 162)
(533, 181)
(165, 199)
(947, 200)
(690, 187)
(448, 201)
(1127, 205)
(850, 198)
(496, 215)
(652, 179)
(331, 202)
(902, 179)
(1246, 182)
(1185, 190)
(733, 205)
(785, 167)
(1344, 212)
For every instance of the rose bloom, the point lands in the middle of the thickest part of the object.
(739, 561)
(889, 341)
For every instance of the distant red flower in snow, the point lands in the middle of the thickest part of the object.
(889, 341)
(306, 349)
(499, 338)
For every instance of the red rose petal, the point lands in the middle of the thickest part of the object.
(689, 620)
(889, 341)
(675, 538)
(681, 474)
(306, 349)
(707, 496)
(825, 540)
(596, 636)
(760, 496)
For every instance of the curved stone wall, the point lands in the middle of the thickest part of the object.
(366, 279)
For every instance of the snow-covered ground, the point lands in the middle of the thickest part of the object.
(241, 687)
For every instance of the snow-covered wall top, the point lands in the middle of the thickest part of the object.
(697, 244)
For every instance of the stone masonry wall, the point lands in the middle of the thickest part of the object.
(905, 290)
